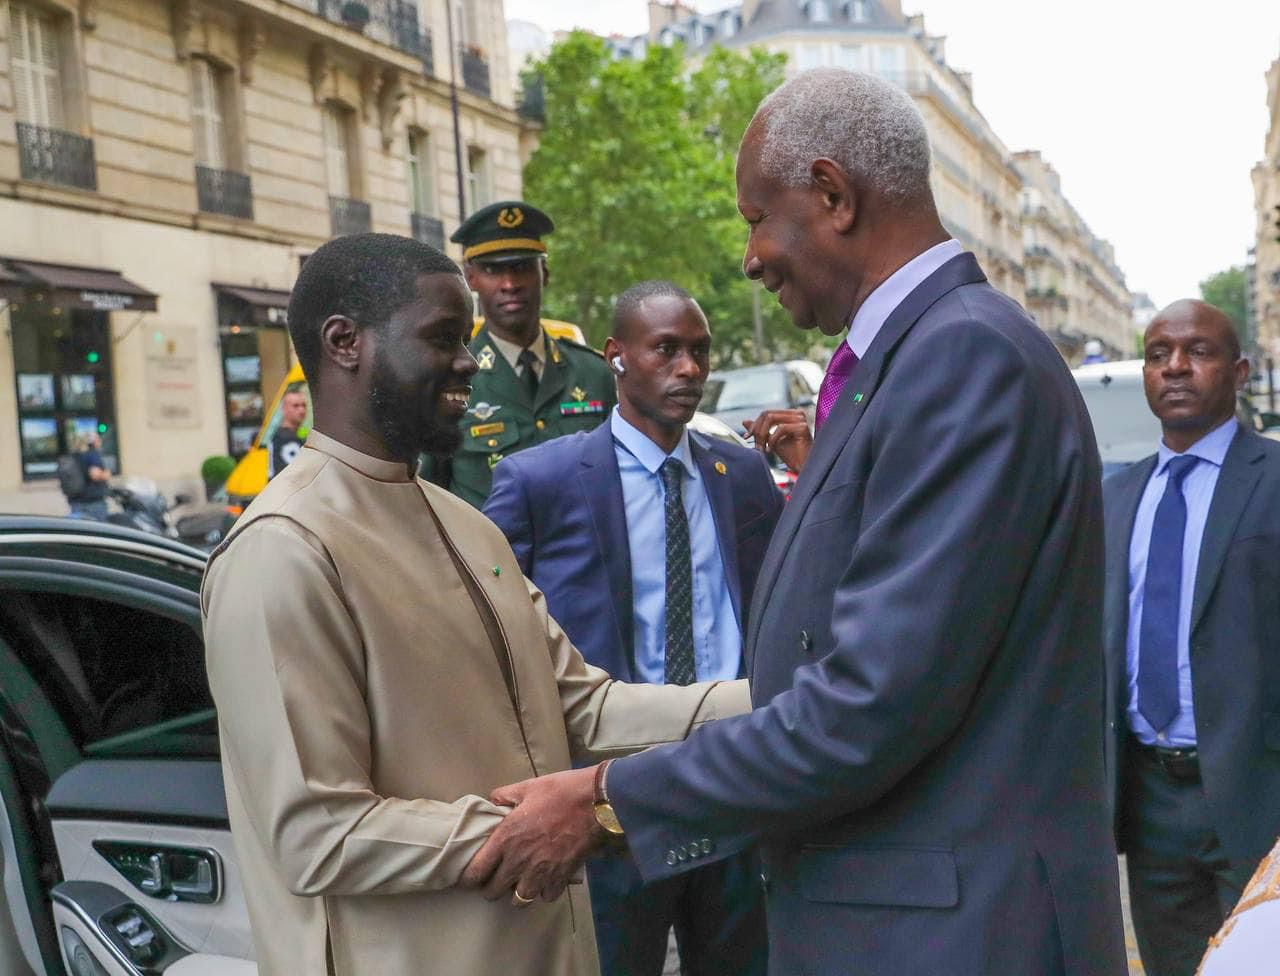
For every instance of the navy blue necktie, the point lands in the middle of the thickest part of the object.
(1161, 597)
(680, 666)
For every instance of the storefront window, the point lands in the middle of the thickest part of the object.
(62, 358)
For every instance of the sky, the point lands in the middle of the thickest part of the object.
(1153, 112)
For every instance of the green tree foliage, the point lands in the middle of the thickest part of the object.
(1226, 290)
(635, 165)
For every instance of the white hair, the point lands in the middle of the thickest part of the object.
(870, 127)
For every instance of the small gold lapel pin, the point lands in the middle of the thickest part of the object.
(720, 468)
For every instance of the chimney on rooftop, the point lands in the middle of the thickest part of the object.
(893, 8)
(662, 14)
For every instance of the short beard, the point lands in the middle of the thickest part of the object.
(409, 426)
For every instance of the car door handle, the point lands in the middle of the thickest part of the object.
(169, 873)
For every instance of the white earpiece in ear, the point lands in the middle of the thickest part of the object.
(618, 368)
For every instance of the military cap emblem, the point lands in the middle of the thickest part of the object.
(484, 361)
(510, 217)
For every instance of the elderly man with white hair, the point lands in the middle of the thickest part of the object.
(923, 769)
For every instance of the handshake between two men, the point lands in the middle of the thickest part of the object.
(555, 824)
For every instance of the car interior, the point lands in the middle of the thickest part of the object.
(115, 851)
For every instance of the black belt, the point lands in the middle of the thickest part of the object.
(1183, 764)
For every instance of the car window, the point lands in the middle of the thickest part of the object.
(752, 388)
(126, 681)
(797, 388)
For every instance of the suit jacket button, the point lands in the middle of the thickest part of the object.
(672, 860)
(707, 845)
(764, 883)
(806, 642)
(682, 853)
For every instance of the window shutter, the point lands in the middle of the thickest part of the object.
(335, 142)
(421, 177)
(206, 114)
(35, 60)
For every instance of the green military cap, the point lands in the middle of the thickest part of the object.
(507, 231)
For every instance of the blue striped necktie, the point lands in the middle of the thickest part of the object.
(1161, 599)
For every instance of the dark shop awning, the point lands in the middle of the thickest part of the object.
(75, 287)
(10, 285)
(252, 306)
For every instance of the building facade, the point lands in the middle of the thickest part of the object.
(974, 180)
(1265, 295)
(165, 166)
(1075, 290)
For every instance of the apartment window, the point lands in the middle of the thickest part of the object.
(422, 188)
(819, 11)
(209, 114)
(857, 10)
(37, 69)
(850, 56)
(479, 187)
(347, 213)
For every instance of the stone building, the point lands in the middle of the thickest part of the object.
(165, 165)
(1266, 256)
(974, 179)
(1075, 291)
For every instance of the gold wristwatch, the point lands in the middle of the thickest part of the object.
(605, 817)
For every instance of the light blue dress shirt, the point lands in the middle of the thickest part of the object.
(1197, 490)
(717, 640)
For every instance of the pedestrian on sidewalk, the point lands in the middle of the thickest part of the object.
(1191, 625)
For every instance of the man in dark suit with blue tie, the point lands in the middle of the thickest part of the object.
(646, 539)
(923, 770)
(1193, 643)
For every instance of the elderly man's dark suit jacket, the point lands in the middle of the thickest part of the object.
(924, 766)
(1235, 642)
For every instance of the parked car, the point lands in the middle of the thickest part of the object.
(1123, 424)
(115, 847)
(735, 395)
(709, 426)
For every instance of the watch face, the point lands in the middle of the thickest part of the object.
(607, 819)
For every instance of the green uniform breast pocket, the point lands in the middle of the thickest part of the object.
(493, 440)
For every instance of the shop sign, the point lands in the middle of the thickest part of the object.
(172, 378)
(106, 301)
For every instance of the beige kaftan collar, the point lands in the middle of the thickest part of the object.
(370, 467)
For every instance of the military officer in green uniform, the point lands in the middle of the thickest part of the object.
(530, 387)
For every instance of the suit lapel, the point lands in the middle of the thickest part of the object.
(1236, 482)
(848, 411)
(1121, 513)
(602, 492)
(720, 495)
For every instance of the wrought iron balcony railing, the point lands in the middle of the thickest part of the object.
(54, 156)
(533, 99)
(475, 72)
(429, 230)
(392, 22)
(349, 216)
(222, 191)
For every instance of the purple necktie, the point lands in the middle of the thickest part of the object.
(842, 362)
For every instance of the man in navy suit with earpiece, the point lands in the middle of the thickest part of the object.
(646, 539)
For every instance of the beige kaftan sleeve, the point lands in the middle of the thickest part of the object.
(606, 718)
(285, 665)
